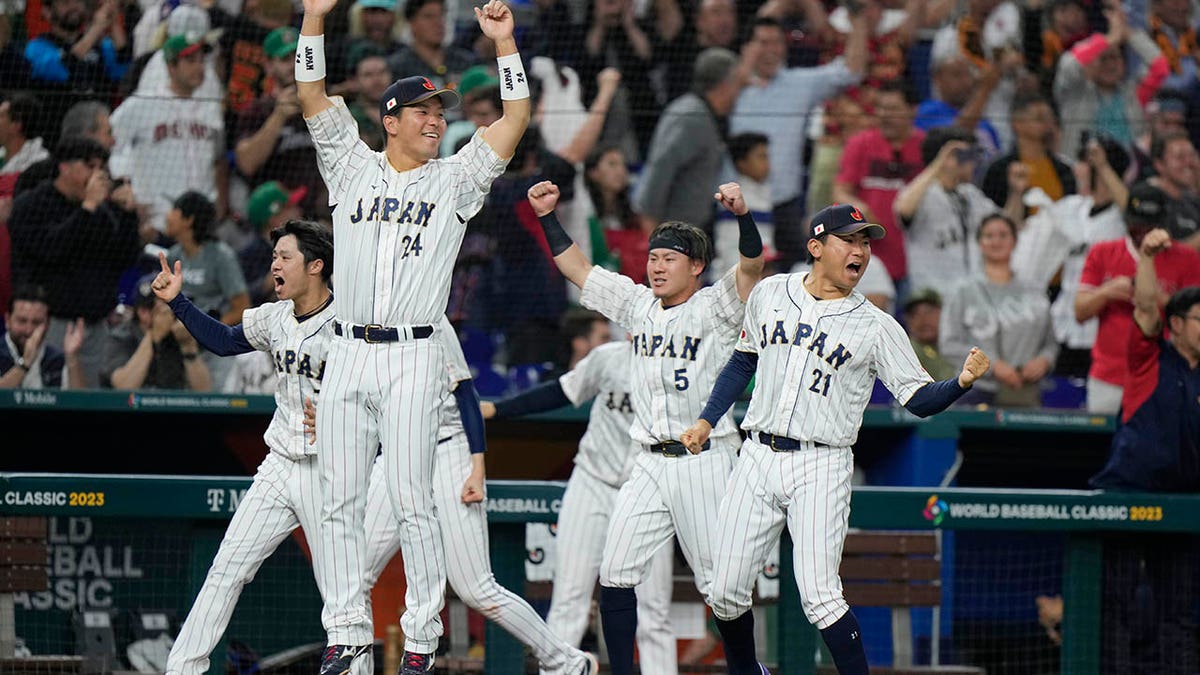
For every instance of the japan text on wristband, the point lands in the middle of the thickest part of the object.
(513, 84)
(310, 58)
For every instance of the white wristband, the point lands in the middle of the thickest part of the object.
(310, 58)
(513, 84)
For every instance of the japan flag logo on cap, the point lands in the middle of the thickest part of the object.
(391, 103)
(819, 230)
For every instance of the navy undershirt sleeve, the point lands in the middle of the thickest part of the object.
(934, 397)
(472, 420)
(548, 396)
(730, 384)
(213, 335)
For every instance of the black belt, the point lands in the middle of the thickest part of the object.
(785, 444)
(676, 449)
(374, 333)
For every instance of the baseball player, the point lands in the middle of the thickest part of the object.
(604, 462)
(458, 491)
(400, 218)
(680, 333)
(286, 491)
(818, 346)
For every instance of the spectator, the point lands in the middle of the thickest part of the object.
(429, 53)
(942, 210)
(922, 317)
(481, 105)
(752, 163)
(962, 92)
(1033, 127)
(1170, 26)
(1004, 316)
(776, 103)
(1106, 291)
(615, 40)
(148, 75)
(73, 236)
(369, 69)
(987, 34)
(269, 207)
(619, 236)
(1056, 241)
(713, 25)
(1154, 450)
(273, 140)
(171, 143)
(77, 55)
(1066, 25)
(1166, 113)
(214, 281)
(685, 156)
(245, 61)
(1176, 173)
(28, 361)
(1094, 90)
(20, 146)
(877, 164)
(153, 350)
(373, 32)
(89, 119)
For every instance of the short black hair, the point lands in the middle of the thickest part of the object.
(203, 213)
(27, 293)
(577, 323)
(1114, 152)
(1158, 146)
(1182, 301)
(939, 136)
(741, 144)
(26, 109)
(698, 242)
(1021, 102)
(413, 6)
(902, 86)
(79, 148)
(313, 241)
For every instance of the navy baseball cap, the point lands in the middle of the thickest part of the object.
(412, 90)
(843, 219)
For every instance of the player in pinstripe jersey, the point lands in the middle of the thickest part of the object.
(818, 346)
(400, 218)
(681, 332)
(458, 491)
(604, 462)
(286, 491)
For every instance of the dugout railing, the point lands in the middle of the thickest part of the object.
(166, 503)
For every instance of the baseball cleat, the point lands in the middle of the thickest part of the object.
(337, 658)
(416, 664)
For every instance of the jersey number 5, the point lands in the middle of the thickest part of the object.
(820, 384)
(681, 380)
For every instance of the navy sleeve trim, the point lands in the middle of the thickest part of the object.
(934, 397)
(730, 384)
(213, 335)
(467, 398)
(544, 397)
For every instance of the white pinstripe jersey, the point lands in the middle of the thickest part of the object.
(606, 451)
(457, 370)
(677, 352)
(818, 360)
(397, 232)
(298, 349)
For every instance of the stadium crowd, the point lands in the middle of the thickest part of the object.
(1016, 152)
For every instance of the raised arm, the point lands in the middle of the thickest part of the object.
(750, 247)
(310, 58)
(496, 22)
(570, 260)
(1145, 283)
(213, 335)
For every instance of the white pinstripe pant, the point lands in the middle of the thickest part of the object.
(583, 523)
(464, 536)
(666, 496)
(285, 494)
(376, 394)
(809, 490)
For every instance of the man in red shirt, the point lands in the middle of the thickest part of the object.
(877, 163)
(1106, 290)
